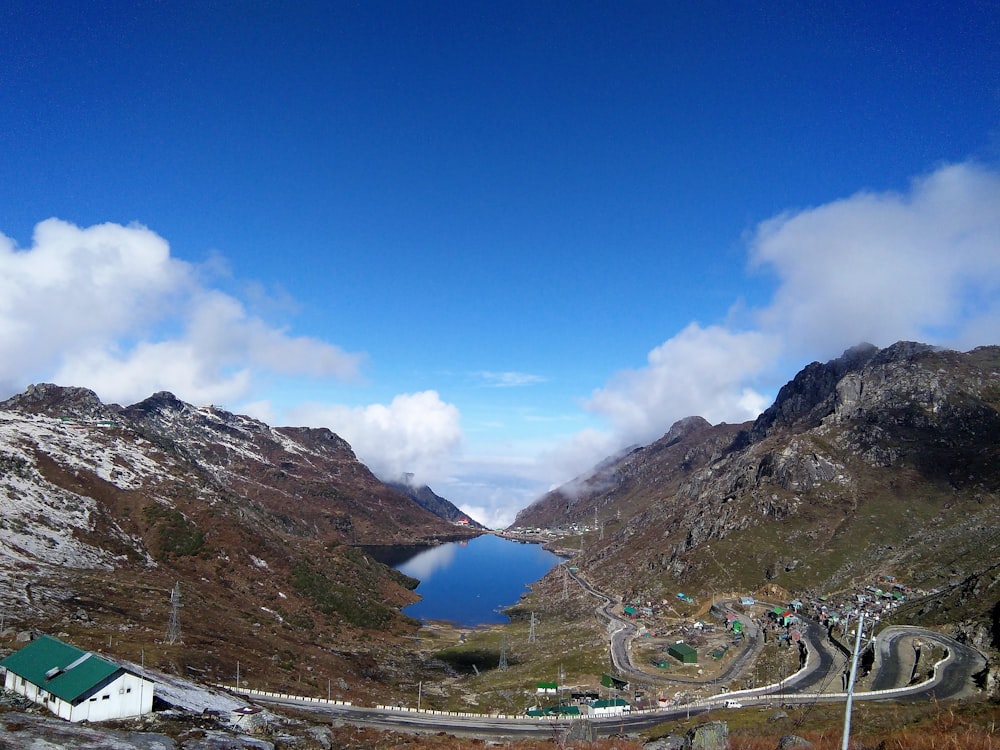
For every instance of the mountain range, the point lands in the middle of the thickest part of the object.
(880, 462)
(105, 509)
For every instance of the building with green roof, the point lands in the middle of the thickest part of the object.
(683, 653)
(556, 710)
(76, 685)
(610, 707)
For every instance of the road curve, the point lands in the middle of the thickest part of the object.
(952, 678)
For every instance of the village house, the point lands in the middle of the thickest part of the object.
(610, 707)
(76, 685)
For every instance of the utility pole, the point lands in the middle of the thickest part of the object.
(531, 629)
(565, 583)
(850, 683)
(174, 626)
(503, 654)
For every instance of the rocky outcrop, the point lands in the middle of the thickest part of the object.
(104, 509)
(61, 403)
(643, 474)
(880, 461)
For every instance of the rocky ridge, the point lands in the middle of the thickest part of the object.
(883, 461)
(427, 499)
(104, 509)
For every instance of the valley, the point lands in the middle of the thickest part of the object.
(870, 485)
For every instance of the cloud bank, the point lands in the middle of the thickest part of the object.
(875, 267)
(883, 267)
(509, 379)
(107, 307)
(704, 369)
(416, 433)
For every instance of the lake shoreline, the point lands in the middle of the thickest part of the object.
(470, 583)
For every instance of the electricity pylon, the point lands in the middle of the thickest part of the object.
(174, 626)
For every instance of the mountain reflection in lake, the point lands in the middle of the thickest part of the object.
(468, 582)
(422, 566)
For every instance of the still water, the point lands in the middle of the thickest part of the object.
(467, 583)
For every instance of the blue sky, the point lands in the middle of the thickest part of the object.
(490, 243)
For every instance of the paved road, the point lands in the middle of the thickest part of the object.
(825, 663)
(480, 725)
(895, 660)
(623, 631)
(824, 667)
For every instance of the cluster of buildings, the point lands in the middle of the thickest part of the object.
(582, 703)
(876, 599)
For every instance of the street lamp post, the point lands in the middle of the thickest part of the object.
(850, 682)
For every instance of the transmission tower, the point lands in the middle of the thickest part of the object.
(531, 629)
(174, 626)
(503, 654)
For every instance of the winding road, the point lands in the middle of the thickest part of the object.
(893, 673)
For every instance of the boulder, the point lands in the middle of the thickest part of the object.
(671, 742)
(793, 740)
(711, 736)
(581, 730)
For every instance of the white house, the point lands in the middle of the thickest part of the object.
(610, 707)
(76, 685)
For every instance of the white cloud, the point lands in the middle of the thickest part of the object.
(262, 410)
(424, 565)
(416, 433)
(80, 288)
(492, 515)
(107, 307)
(876, 267)
(883, 267)
(510, 379)
(700, 371)
(576, 456)
(173, 366)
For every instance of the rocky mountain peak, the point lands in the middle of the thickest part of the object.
(822, 389)
(682, 428)
(107, 508)
(162, 403)
(59, 402)
(320, 438)
(811, 394)
(879, 460)
(429, 500)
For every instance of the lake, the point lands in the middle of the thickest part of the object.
(468, 582)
